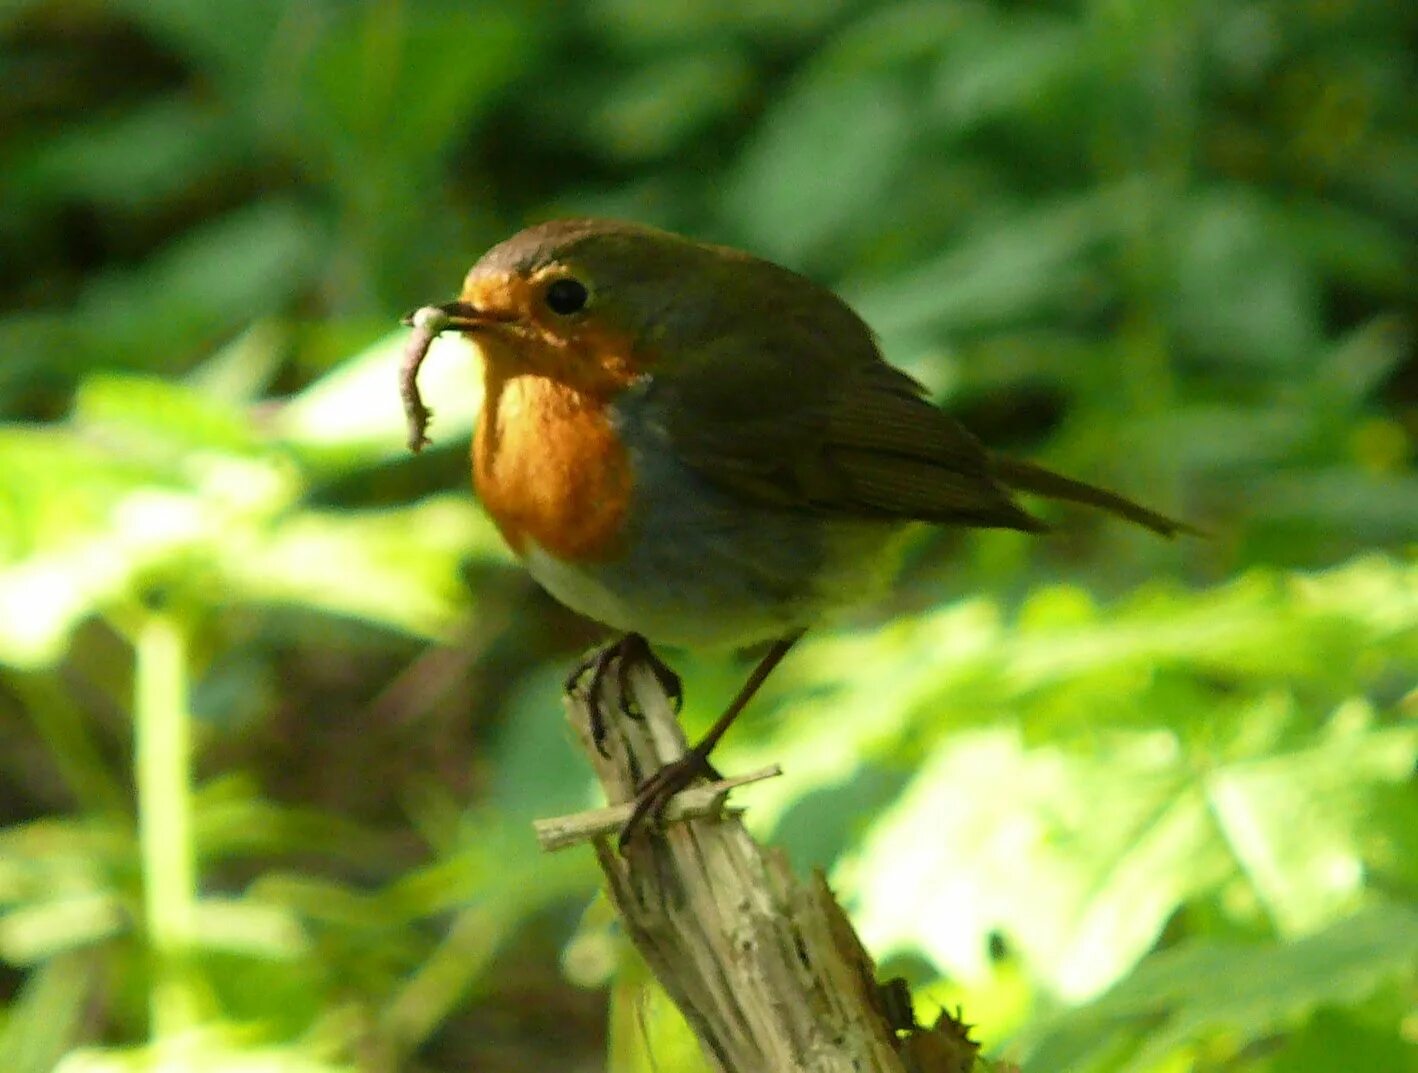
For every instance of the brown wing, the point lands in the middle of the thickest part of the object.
(803, 422)
(898, 455)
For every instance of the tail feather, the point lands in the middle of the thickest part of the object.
(1027, 477)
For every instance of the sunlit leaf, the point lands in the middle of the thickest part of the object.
(44, 1019)
(248, 927)
(154, 419)
(41, 930)
(1245, 990)
(353, 417)
(398, 568)
(1077, 863)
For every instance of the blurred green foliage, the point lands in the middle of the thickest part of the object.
(276, 707)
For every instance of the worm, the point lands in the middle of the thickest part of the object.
(426, 322)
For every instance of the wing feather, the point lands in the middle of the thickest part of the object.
(799, 422)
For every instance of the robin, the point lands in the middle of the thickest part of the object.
(698, 447)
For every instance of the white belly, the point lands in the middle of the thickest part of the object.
(711, 597)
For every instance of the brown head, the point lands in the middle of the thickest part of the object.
(594, 303)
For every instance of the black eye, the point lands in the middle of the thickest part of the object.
(566, 296)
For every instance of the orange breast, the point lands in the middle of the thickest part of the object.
(549, 469)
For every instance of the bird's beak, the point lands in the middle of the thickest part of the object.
(457, 316)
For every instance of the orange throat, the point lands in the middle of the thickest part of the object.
(549, 468)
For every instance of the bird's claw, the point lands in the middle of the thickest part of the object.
(624, 653)
(655, 793)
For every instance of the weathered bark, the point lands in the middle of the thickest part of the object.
(766, 968)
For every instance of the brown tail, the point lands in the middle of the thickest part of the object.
(1027, 477)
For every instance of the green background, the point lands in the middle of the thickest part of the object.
(277, 708)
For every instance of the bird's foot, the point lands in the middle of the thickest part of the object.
(588, 678)
(656, 792)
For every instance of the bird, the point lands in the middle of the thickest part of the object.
(698, 447)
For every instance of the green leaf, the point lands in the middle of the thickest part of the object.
(56, 887)
(46, 1017)
(42, 930)
(124, 538)
(248, 927)
(855, 131)
(223, 1048)
(1367, 1039)
(225, 39)
(1078, 862)
(653, 24)
(353, 417)
(217, 277)
(538, 769)
(647, 1031)
(664, 105)
(392, 87)
(397, 568)
(1297, 822)
(54, 488)
(158, 421)
(242, 370)
(1241, 992)
(1025, 265)
(1240, 296)
(990, 67)
(137, 159)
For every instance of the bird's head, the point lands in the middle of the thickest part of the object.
(585, 302)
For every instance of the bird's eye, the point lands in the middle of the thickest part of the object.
(565, 296)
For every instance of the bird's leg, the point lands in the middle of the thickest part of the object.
(624, 652)
(656, 791)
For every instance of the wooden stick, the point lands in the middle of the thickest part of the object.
(560, 832)
(765, 967)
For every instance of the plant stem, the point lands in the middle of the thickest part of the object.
(163, 768)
